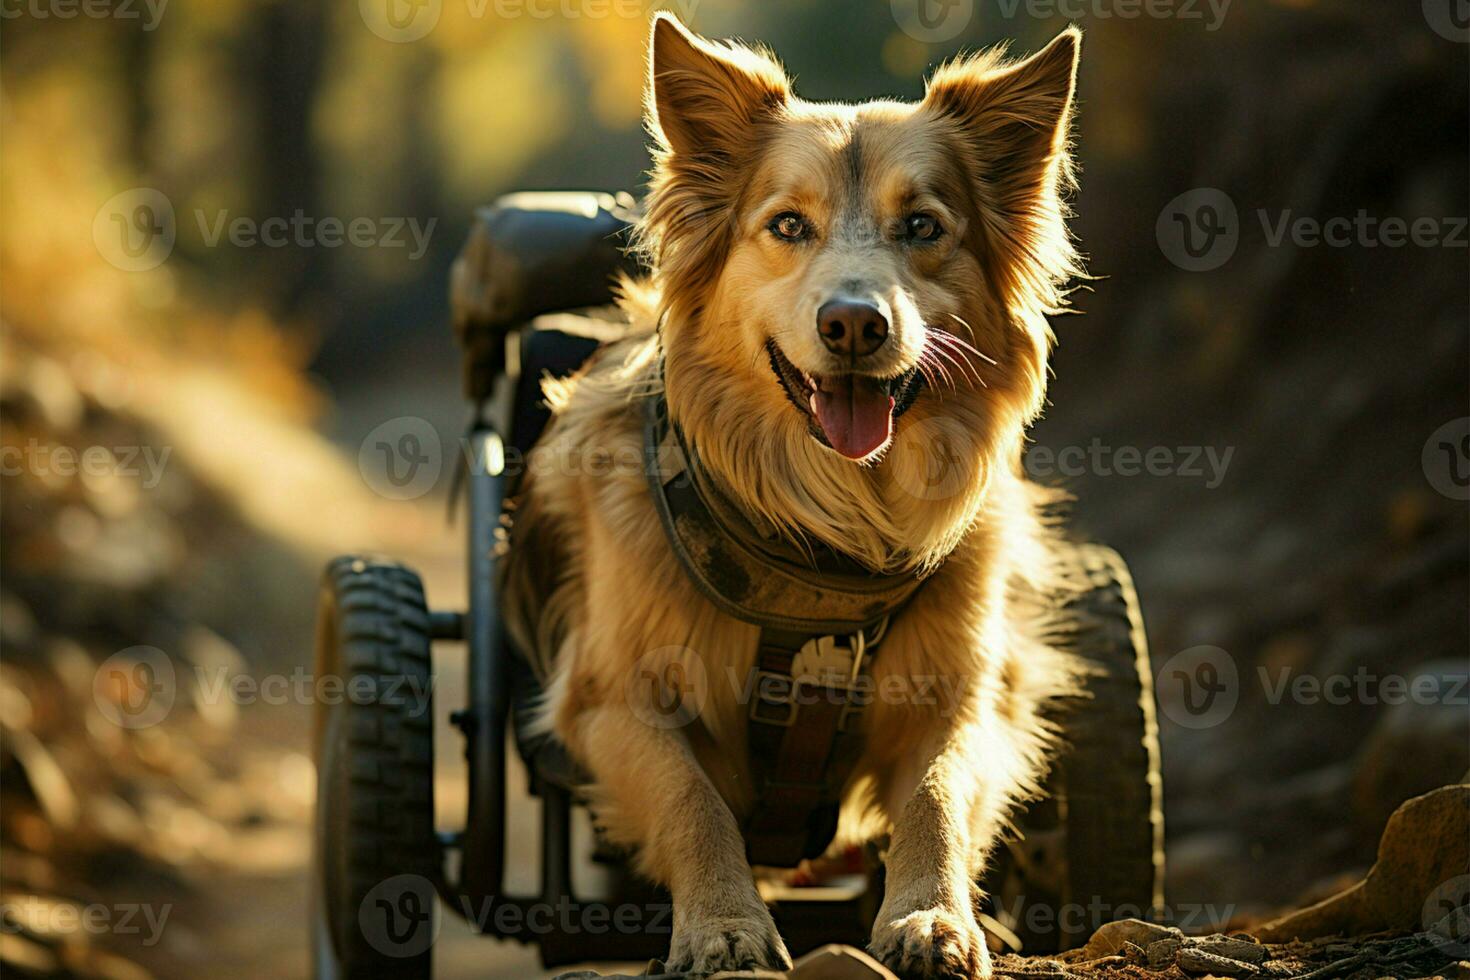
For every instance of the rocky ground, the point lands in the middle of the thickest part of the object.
(185, 531)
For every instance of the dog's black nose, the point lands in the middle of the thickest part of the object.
(850, 328)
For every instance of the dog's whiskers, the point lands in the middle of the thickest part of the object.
(954, 343)
(938, 355)
(927, 358)
(970, 347)
(943, 344)
(923, 369)
(961, 364)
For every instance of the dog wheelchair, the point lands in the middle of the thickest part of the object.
(530, 295)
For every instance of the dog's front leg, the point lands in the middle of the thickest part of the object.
(662, 800)
(926, 926)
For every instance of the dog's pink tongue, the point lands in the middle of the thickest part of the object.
(855, 414)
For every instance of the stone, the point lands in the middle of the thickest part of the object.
(1194, 960)
(1230, 948)
(1161, 954)
(1424, 851)
(1107, 940)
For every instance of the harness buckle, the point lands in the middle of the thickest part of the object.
(833, 663)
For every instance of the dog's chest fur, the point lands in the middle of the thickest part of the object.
(593, 589)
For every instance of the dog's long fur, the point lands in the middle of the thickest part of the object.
(593, 590)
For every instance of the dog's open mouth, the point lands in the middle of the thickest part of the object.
(852, 413)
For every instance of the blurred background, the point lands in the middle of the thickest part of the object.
(223, 263)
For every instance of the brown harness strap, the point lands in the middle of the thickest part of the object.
(805, 740)
(820, 616)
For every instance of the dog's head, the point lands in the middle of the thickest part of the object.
(814, 259)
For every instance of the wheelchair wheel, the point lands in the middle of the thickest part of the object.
(375, 860)
(1092, 851)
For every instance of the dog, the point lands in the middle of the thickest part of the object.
(809, 261)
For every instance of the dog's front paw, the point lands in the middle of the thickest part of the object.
(932, 943)
(712, 945)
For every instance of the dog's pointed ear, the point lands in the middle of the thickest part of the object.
(1016, 117)
(703, 96)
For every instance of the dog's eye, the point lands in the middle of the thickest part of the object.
(790, 227)
(923, 227)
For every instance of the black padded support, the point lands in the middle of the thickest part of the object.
(529, 254)
(543, 352)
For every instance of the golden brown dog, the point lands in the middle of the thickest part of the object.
(808, 258)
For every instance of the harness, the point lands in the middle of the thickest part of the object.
(821, 617)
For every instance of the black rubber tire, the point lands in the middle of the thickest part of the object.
(1110, 772)
(376, 857)
(1093, 849)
